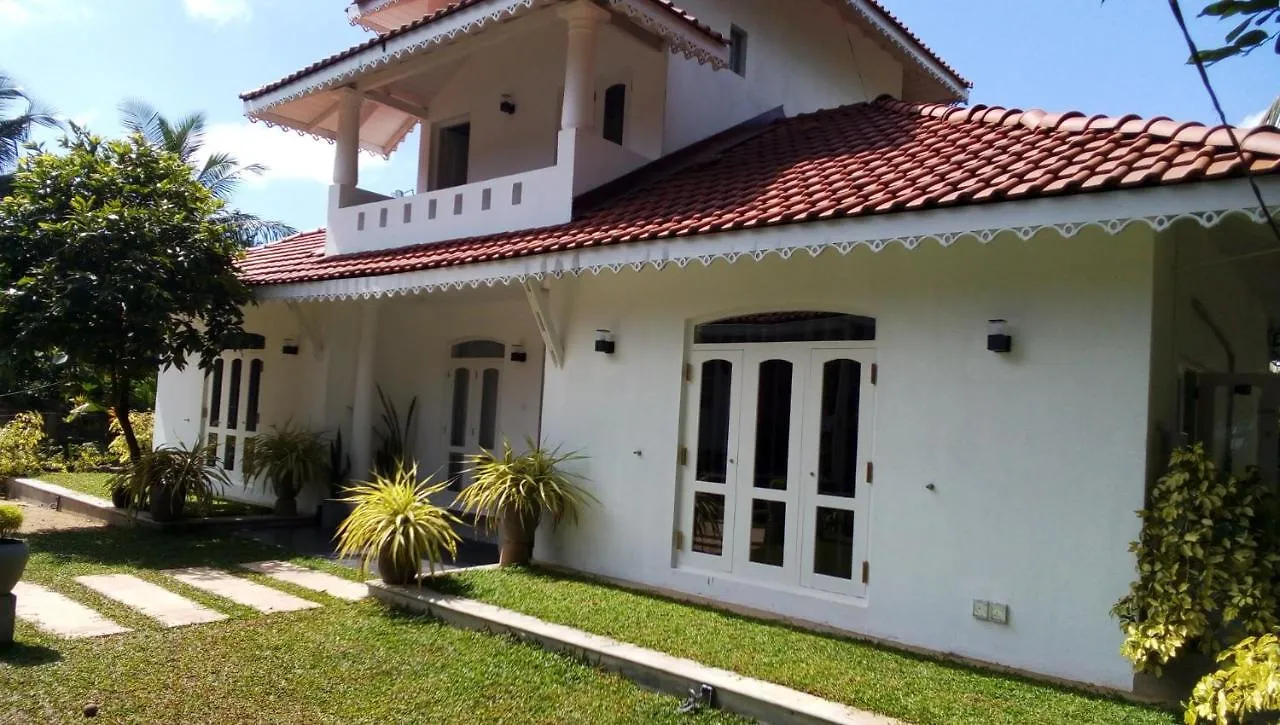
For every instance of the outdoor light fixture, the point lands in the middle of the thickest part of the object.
(290, 346)
(604, 342)
(507, 106)
(998, 337)
(518, 354)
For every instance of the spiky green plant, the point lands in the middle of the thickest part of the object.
(287, 459)
(394, 435)
(526, 483)
(394, 520)
(173, 469)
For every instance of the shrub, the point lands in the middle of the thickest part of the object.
(89, 457)
(1207, 565)
(525, 483)
(1248, 685)
(20, 443)
(10, 520)
(172, 473)
(144, 423)
(395, 524)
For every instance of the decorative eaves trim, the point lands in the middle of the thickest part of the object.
(1024, 219)
(895, 34)
(659, 21)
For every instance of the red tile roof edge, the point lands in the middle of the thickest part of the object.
(929, 52)
(427, 20)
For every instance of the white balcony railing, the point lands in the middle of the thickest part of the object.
(538, 198)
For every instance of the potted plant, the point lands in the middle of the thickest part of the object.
(287, 459)
(395, 524)
(168, 476)
(335, 508)
(13, 551)
(515, 489)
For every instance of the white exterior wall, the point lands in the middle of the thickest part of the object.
(1038, 457)
(803, 58)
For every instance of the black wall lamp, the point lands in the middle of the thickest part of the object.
(604, 342)
(290, 346)
(518, 353)
(998, 337)
(507, 105)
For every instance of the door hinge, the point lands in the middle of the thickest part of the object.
(682, 456)
(688, 372)
(677, 540)
(875, 373)
(866, 572)
(871, 472)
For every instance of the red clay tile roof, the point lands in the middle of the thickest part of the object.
(869, 158)
(431, 18)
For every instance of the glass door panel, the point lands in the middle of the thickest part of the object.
(773, 384)
(473, 417)
(837, 438)
(707, 477)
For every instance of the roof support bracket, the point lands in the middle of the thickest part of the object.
(540, 304)
(310, 330)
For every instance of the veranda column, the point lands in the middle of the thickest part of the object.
(584, 20)
(346, 159)
(365, 392)
(424, 156)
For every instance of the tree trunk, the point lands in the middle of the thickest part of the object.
(121, 407)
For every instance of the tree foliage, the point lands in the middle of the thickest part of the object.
(114, 255)
(1247, 685)
(1257, 25)
(19, 114)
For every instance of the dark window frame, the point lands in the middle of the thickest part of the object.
(739, 42)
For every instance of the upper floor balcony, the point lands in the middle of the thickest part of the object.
(522, 105)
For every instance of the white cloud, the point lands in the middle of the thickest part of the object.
(286, 154)
(22, 14)
(1253, 119)
(219, 12)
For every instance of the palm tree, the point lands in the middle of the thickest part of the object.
(16, 125)
(220, 172)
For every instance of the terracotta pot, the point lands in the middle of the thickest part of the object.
(517, 529)
(13, 561)
(398, 572)
(167, 503)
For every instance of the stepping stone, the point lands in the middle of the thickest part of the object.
(56, 614)
(316, 581)
(162, 605)
(241, 591)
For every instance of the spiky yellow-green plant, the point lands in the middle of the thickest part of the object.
(395, 519)
(526, 483)
(173, 469)
(287, 459)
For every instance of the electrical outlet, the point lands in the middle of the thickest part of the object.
(981, 610)
(997, 613)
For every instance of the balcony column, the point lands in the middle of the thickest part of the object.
(365, 392)
(346, 160)
(579, 108)
(424, 156)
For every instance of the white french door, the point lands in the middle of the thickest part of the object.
(473, 386)
(233, 389)
(777, 460)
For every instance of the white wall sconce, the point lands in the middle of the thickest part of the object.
(290, 346)
(999, 339)
(604, 342)
(518, 354)
(507, 105)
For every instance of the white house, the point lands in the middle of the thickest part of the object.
(706, 246)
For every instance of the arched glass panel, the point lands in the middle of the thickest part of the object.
(773, 425)
(838, 445)
(615, 113)
(461, 390)
(473, 349)
(488, 408)
(215, 393)
(713, 421)
(786, 327)
(255, 392)
(233, 396)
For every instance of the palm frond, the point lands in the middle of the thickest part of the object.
(254, 231)
(141, 117)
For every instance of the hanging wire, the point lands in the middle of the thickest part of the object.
(1217, 105)
(29, 390)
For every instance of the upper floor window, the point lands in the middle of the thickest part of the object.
(738, 50)
(615, 113)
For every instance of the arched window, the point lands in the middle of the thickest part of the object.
(799, 326)
(479, 349)
(615, 113)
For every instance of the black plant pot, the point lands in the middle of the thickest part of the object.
(120, 498)
(13, 561)
(167, 503)
(286, 506)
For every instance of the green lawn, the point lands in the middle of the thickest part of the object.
(908, 687)
(341, 663)
(98, 484)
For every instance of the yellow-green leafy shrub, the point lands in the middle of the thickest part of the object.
(20, 441)
(10, 520)
(88, 457)
(1206, 566)
(1248, 685)
(144, 423)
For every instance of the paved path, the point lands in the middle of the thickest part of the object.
(241, 591)
(316, 581)
(58, 615)
(162, 605)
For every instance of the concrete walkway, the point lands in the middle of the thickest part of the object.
(241, 591)
(58, 615)
(316, 581)
(763, 701)
(160, 604)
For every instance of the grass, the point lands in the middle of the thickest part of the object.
(905, 686)
(98, 484)
(340, 663)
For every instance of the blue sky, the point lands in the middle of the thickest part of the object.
(82, 57)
